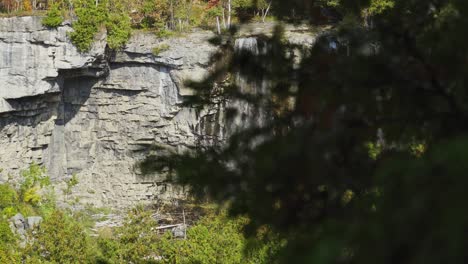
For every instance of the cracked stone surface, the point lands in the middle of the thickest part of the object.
(96, 114)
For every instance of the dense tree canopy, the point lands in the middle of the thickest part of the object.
(367, 164)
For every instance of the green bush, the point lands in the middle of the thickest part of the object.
(9, 211)
(215, 239)
(53, 17)
(60, 239)
(160, 48)
(118, 30)
(8, 196)
(8, 246)
(90, 18)
(134, 241)
(6, 236)
(34, 180)
(9, 256)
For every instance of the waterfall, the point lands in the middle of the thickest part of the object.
(247, 45)
(248, 115)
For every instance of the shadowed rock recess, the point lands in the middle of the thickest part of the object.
(97, 114)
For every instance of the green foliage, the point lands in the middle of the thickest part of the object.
(6, 236)
(34, 196)
(8, 246)
(218, 239)
(8, 196)
(9, 256)
(374, 149)
(9, 211)
(154, 13)
(418, 148)
(164, 33)
(380, 6)
(53, 17)
(416, 192)
(330, 3)
(90, 18)
(34, 179)
(34, 176)
(72, 182)
(134, 241)
(396, 69)
(60, 239)
(160, 48)
(214, 239)
(118, 30)
(26, 209)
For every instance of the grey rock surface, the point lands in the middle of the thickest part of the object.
(179, 231)
(33, 221)
(19, 225)
(98, 113)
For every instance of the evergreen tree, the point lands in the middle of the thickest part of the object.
(367, 164)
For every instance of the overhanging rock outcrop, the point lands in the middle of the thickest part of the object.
(97, 113)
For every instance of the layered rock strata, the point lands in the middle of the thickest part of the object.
(96, 114)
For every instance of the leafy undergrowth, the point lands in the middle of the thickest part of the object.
(67, 236)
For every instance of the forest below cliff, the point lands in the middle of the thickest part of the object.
(34, 229)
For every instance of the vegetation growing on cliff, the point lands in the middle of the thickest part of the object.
(118, 17)
(53, 17)
(33, 194)
(64, 236)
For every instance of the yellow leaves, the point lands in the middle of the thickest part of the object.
(374, 149)
(417, 149)
(379, 6)
(277, 205)
(32, 196)
(9, 211)
(347, 197)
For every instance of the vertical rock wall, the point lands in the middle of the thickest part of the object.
(95, 114)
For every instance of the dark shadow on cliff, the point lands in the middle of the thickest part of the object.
(365, 164)
(76, 91)
(30, 111)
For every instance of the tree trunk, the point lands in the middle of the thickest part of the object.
(218, 25)
(224, 20)
(172, 15)
(229, 14)
(266, 12)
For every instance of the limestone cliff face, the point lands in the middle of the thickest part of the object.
(96, 114)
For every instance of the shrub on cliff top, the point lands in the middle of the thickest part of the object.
(53, 17)
(92, 17)
(118, 30)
